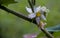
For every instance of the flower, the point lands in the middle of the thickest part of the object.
(38, 11)
(40, 14)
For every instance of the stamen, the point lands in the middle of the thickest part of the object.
(38, 14)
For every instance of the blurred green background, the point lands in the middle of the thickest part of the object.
(15, 27)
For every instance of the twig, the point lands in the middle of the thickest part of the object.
(40, 26)
(17, 14)
(33, 2)
(46, 33)
(31, 5)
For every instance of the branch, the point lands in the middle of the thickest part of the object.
(33, 2)
(46, 33)
(17, 14)
(31, 5)
(40, 26)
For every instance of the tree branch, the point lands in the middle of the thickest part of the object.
(17, 14)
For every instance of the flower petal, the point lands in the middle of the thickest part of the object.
(28, 10)
(37, 9)
(38, 20)
(43, 8)
(33, 35)
(47, 10)
(33, 15)
(43, 17)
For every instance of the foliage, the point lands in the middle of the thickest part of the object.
(6, 2)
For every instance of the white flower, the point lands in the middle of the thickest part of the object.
(37, 9)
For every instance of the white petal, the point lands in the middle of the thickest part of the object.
(28, 10)
(37, 9)
(47, 10)
(43, 8)
(38, 20)
(43, 17)
(33, 15)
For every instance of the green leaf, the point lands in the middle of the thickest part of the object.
(54, 28)
(6, 2)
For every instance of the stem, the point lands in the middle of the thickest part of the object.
(31, 5)
(33, 2)
(49, 35)
(46, 33)
(20, 15)
(39, 24)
